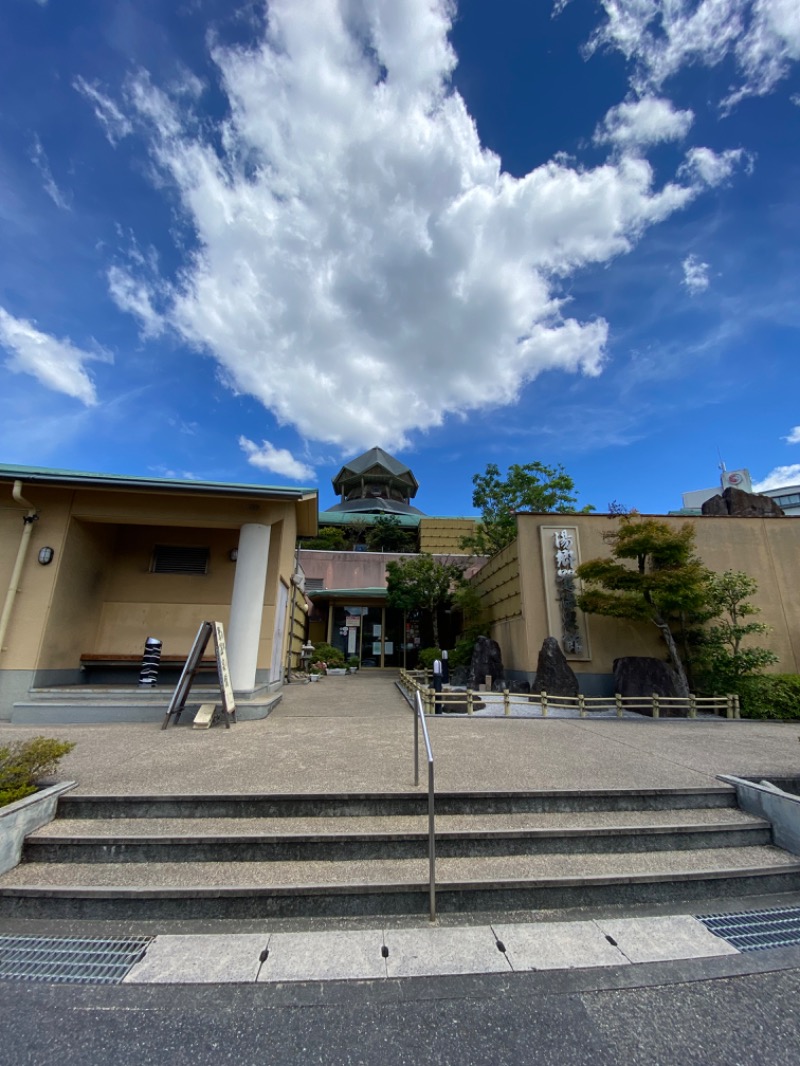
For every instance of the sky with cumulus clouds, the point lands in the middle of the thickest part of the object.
(243, 240)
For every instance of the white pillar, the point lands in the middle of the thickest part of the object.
(247, 605)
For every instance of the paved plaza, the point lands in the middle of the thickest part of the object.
(355, 734)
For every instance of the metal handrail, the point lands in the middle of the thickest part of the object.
(419, 716)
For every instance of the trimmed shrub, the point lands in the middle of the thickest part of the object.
(22, 764)
(326, 653)
(428, 656)
(774, 696)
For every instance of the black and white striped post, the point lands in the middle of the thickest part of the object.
(151, 660)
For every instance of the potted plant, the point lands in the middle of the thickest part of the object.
(352, 664)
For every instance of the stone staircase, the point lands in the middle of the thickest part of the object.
(92, 704)
(252, 856)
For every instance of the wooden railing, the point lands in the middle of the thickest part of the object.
(448, 700)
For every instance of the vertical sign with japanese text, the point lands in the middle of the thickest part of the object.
(561, 557)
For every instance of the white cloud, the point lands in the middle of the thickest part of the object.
(712, 168)
(363, 266)
(115, 124)
(794, 436)
(57, 364)
(277, 460)
(135, 297)
(638, 123)
(39, 160)
(695, 274)
(662, 36)
(779, 478)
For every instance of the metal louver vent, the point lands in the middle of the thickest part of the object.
(172, 559)
(70, 960)
(749, 930)
(314, 584)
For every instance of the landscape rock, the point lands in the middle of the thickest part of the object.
(486, 659)
(554, 675)
(640, 675)
(740, 504)
(459, 676)
(456, 703)
(512, 686)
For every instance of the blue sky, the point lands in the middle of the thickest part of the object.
(243, 241)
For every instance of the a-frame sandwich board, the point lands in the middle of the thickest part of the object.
(191, 668)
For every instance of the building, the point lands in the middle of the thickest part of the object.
(348, 588)
(787, 497)
(92, 564)
(521, 590)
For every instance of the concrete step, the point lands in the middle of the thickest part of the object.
(87, 705)
(390, 804)
(263, 889)
(348, 839)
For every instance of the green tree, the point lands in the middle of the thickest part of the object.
(421, 582)
(726, 663)
(329, 538)
(527, 487)
(387, 535)
(667, 581)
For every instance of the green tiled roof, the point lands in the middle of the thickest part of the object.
(77, 477)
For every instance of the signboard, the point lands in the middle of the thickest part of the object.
(560, 558)
(191, 668)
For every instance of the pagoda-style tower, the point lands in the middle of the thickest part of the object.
(375, 483)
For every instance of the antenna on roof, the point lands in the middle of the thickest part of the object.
(722, 468)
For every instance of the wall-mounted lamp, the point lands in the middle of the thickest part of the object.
(233, 554)
(46, 556)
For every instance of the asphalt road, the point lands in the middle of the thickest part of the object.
(709, 1012)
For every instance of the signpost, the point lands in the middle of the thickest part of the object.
(190, 670)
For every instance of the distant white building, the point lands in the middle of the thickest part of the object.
(786, 497)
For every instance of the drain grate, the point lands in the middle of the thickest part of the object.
(70, 960)
(751, 930)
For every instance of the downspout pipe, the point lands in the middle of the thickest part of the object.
(13, 585)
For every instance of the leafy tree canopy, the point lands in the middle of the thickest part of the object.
(422, 582)
(526, 487)
(387, 535)
(666, 581)
(727, 663)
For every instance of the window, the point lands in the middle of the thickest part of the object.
(790, 500)
(172, 559)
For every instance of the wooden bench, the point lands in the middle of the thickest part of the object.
(94, 661)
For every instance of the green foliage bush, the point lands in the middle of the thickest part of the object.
(22, 764)
(326, 653)
(428, 656)
(461, 655)
(771, 696)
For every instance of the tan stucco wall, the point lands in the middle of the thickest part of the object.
(24, 636)
(442, 536)
(138, 604)
(98, 595)
(77, 602)
(767, 549)
(500, 585)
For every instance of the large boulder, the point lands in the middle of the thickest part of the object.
(639, 675)
(554, 675)
(740, 504)
(486, 659)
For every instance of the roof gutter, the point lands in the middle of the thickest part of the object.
(22, 551)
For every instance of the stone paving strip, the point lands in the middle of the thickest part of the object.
(280, 826)
(277, 875)
(393, 953)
